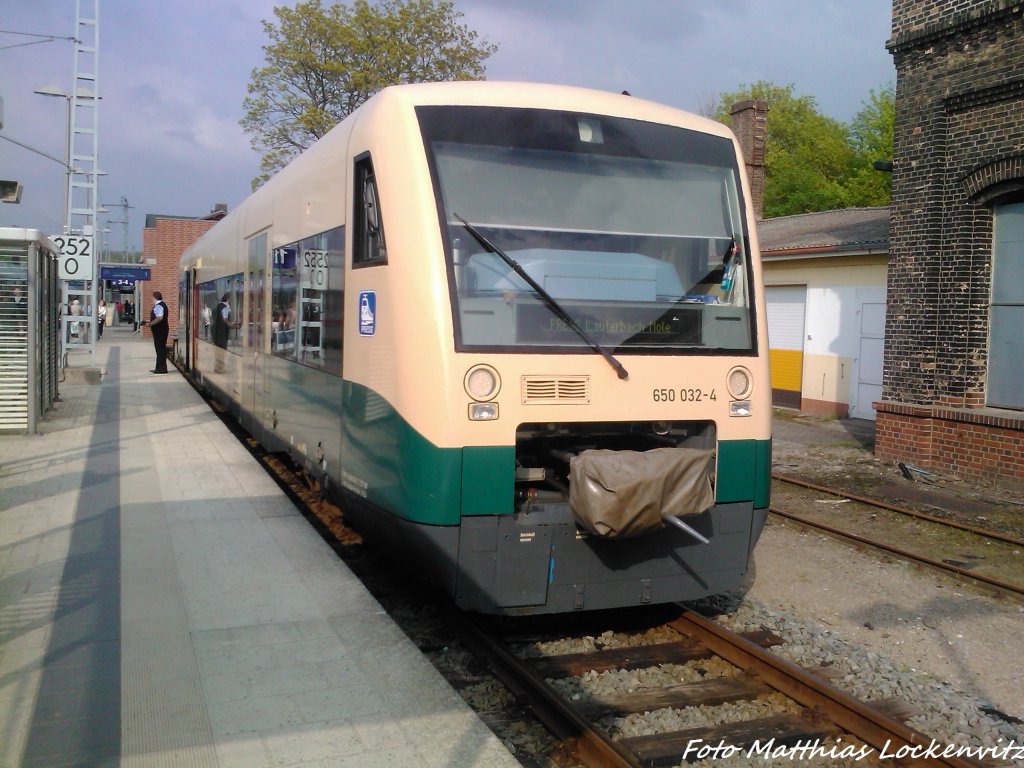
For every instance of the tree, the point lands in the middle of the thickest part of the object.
(871, 138)
(807, 155)
(322, 63)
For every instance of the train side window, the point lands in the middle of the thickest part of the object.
(369, 248)
(284, 293)
(210, 295)
(307, 293)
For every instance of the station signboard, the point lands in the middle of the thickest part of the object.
(77, 257)
(124, 274)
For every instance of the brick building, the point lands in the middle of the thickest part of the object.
(164, 239)
(952, 394)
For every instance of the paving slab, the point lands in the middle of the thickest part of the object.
(163, 603)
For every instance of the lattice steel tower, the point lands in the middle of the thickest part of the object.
(84, 129)
(83, 175)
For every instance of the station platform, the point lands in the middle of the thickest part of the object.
(163, 603)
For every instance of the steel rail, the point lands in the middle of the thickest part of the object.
(1015, 589)
(987, 532)
(589, 744)
(821, 698)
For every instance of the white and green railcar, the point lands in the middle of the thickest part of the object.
(518, 330)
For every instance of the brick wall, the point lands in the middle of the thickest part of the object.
(164, 243)
(748, 120)
(978, 445)
(958, 142)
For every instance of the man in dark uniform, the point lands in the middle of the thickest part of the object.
(221, 330)
(158, 325)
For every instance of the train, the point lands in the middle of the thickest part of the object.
(516, 331)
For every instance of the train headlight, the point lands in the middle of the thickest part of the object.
(740, 383)
(483, 411)
(482, 383)
(739, 408)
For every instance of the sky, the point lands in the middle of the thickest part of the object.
(173, 75)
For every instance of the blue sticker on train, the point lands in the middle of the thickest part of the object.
(367, 313)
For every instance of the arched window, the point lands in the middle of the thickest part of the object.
(1006, 309)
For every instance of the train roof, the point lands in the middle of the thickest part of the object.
(403, 99)
(545, 96)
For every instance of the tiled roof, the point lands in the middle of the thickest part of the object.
(845, 228)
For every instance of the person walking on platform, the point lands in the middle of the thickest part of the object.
(158, 326)
(221, 330)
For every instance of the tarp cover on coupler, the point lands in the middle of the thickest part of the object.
(618, 494)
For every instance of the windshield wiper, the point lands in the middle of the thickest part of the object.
(546, 297)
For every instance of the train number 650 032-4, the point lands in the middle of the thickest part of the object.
(682, 395)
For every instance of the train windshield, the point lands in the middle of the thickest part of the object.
(634, 229)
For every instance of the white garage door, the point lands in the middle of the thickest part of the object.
(787, 305)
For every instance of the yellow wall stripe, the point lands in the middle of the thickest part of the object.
(787, 369)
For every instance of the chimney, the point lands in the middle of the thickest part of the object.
(220, 210)
(749, 119)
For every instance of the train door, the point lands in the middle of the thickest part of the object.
(195, 321)
(253, 367)
(186, 319)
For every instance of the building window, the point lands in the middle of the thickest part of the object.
(1006, 310)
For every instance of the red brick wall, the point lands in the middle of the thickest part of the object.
(957, 138)
(962, 443)
(165, 243)
(749, 123)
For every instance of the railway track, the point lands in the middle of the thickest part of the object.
(821, 716)
(987, 533)
(972, 568)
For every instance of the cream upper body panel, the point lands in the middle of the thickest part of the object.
(411, 359)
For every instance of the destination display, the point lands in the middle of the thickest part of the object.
(609, 325)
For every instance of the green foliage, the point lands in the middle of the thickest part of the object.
(813, 162)
(322, 63)
(871, 138)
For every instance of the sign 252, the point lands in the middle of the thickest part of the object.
(76, 259)
(314, 269)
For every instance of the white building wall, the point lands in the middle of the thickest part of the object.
(840, 290)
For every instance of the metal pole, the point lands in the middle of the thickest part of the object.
(35, 375)
(65, 295)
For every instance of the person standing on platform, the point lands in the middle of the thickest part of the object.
(101, 319)
(221, 330)
(75, 310)
(158, 326)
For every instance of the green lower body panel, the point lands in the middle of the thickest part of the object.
(391, 465)
(450, 513)
(744, 471)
